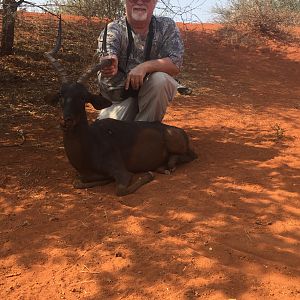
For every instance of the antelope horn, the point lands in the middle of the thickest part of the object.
(49, 55)
(93, 69)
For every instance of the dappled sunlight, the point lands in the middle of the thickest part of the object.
(181, 216)
(224, 226)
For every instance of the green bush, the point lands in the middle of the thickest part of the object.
(266, 17)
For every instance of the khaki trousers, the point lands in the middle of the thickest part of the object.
(157, 91)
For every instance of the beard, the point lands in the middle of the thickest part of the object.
(139, 13)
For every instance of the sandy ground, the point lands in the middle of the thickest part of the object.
(225, 226)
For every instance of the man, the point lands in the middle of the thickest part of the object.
(146, 52)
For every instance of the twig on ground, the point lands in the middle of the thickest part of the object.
(13, 275)
(248, 235)
(105, 213)
(23, 139)
(84, 224)
(88, 271)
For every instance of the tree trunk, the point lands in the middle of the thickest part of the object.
(8, 26)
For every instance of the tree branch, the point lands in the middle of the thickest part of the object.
(40, 7)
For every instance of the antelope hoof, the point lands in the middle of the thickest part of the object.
(123, 190)
(78, 184)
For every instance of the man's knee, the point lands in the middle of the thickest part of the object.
(125, 110)
(159, 85)
(161, 80)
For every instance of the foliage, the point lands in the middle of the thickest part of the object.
(267, 17)
(91, 8)
(114, 9)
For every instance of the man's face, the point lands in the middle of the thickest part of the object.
(140, 10)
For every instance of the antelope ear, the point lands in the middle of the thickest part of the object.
(52, 99)
(98, 101)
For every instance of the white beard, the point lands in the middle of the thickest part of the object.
(139, 15)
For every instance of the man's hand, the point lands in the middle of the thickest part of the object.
(111, 70)
(136, 76)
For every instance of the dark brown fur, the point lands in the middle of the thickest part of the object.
(110, 149)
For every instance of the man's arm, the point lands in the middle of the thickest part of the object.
(170, 61)
(136, 76)
(161, 65)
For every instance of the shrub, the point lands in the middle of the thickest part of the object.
(104, 9)
(267, 17)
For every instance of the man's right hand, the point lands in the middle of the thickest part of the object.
(111, 70)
